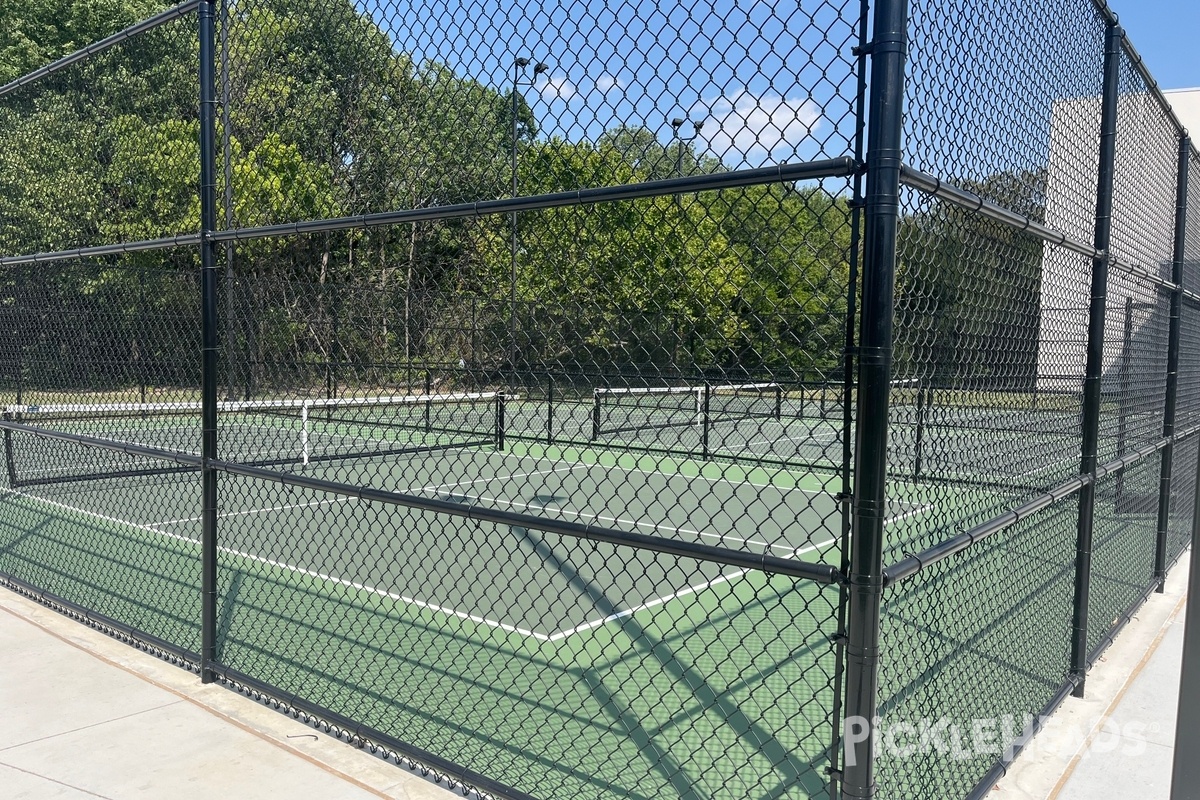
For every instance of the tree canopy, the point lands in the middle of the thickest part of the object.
(328, 118)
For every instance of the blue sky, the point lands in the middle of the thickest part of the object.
(1167, 34)
(771, 79)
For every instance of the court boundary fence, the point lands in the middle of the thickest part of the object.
(883, 180)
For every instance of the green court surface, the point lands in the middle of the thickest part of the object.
(563, 667)
(559, 666)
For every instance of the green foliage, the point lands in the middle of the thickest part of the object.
(36, 32)
(328, 119)
(795, 245)
(641, 149)
(968, 289)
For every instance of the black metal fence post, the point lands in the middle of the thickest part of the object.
(140, 342)
(21, 330)
(550, 409)
(1168, 453)
(209, 322)
(1094, 371)
(227, 163)
(888, 50)
(427, 416)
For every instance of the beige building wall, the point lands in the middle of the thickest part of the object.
(1142, 226)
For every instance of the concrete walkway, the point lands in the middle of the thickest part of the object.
(1118, 741)
(85, 716)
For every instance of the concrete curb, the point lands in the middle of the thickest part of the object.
(1063, 750)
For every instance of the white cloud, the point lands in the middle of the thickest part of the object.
(550, 88)
(757, 126)
(606, 83)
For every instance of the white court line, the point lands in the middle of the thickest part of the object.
(920, 509)
(658, 601)
(412, 600)
(500, 478)
(298, 570)
(248, 512)
(638, 523)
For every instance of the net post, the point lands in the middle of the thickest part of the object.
(139, 344)
(550, 409)
(500, 422)
(209, 322)
(1095, 356)
(19, 325)
(428, 412)
(10, 459)
(920, 433)
(595, 414)
(1175, 331)
(778, 401)
(304, 417)
(705, 400)
(864, 589)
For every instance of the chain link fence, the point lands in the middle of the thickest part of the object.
(572, 400)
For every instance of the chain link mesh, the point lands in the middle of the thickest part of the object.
(104, 151)
(988, 396)
(535, 383)
(496, 486)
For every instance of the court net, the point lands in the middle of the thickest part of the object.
(634, 409)
(255, 432)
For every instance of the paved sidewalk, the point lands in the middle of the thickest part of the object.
(85, 716)
(1118, 741)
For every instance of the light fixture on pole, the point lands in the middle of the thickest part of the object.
(519, 64)
(676, 124)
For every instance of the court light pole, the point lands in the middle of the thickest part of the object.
(676, 124)
(519, 64)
